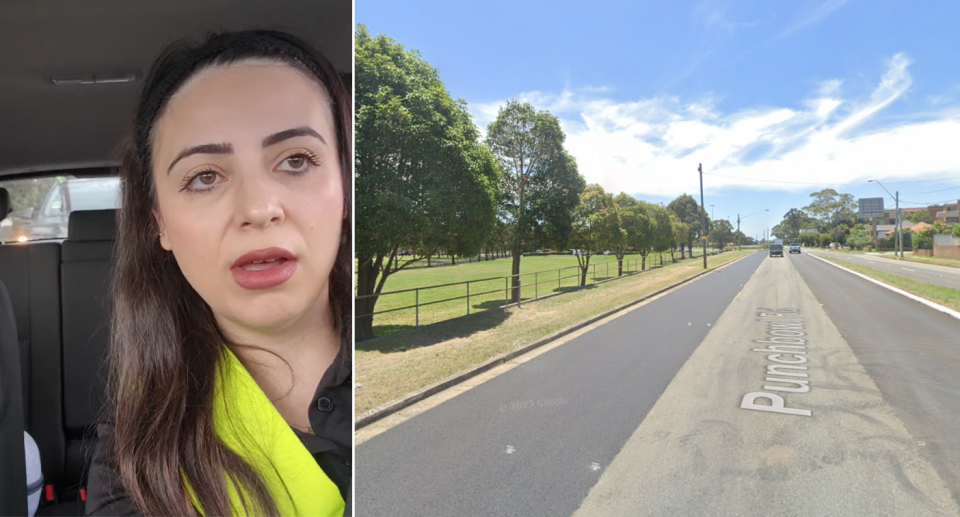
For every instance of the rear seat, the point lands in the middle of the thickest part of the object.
(59, 293)
(87, 262)
(31, 273)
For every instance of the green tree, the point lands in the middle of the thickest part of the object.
(619, 237)
(722, 233)
(859, 238)
(638, 218)
(665, 238)
(794, 221)
(831, 208)
(552, 200)
(595, 226)
(537, 173)
(692, 214)
(681, 236)
(920, 216)
(809, 239)
(423, 180)
(825, 240)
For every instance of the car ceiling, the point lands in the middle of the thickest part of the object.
(44, 127)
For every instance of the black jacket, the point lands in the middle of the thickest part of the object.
(331, 415)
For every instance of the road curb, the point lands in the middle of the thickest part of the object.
(933, 305)
(390, 408)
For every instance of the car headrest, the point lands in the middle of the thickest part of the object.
(92, 225)
(5, 207)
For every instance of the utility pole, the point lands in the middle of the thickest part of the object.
(899, 225)
(896, 198)
(703, 218)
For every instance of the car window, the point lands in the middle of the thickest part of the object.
(54, 206)
(95, 194)
(42, 205)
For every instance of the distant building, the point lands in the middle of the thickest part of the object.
(948, 213)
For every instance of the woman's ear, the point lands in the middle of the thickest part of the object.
(164, 238)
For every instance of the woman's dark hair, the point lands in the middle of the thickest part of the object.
(165, 344)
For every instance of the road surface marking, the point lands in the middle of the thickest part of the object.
(907, 269)
(785, 337)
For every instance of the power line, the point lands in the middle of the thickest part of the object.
(928, 203)
(932, 191)
(820, 183)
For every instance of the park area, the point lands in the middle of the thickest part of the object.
(421, 296)
(393, 366)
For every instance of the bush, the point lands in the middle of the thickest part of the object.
(809, 239)
(825, 240)
(859, 239)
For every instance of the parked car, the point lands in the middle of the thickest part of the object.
(50, 219)
(776, 250)
(795, 247)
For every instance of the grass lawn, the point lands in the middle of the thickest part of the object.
(938, 261)
(489, 291)
(394, 366)
(935, 293)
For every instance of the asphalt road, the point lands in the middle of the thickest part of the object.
(911, 352)
(929, 273)
(558, 414)
(644, 416)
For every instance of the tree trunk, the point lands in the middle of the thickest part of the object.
(643, 262)
(366, 283)
(619, 266)
(515, 271)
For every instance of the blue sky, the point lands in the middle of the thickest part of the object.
(776, 99)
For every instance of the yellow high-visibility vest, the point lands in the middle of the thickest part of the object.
(249, 424)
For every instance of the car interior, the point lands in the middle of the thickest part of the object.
(70, 74)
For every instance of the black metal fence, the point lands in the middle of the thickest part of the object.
(442, 302)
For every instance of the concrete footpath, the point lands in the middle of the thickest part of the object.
(816, 441)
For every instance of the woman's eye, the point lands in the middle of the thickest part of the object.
(298, 163)
(203, 181)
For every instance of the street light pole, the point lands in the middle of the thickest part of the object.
(703, 218)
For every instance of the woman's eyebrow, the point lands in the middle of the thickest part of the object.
(201, 149)
(291, 133)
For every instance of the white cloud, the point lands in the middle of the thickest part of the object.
(813, 15)
(653, 146)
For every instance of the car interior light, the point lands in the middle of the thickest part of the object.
(72, 80)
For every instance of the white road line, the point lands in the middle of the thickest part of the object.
(907, 269)
(928, 303)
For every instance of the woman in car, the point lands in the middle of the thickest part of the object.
(230, 385)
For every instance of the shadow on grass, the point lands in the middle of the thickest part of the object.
(571, 288)
(484, 316)
(384, 330)
(433, 334)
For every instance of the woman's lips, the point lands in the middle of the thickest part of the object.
(263, 269)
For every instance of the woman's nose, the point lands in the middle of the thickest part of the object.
(259, 203)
